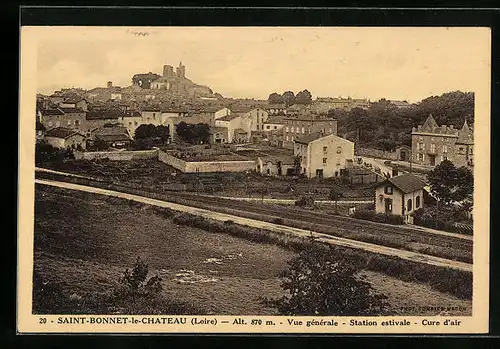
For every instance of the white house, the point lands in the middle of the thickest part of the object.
(323, 156)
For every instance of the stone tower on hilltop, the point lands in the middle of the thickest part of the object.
(181, 71)
(168, 71)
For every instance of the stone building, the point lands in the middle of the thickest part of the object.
(300, 125)
(62, 137)
(323, 156)
(432, 144)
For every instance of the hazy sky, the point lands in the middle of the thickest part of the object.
(393, 63)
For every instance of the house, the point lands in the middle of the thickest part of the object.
(296, 126)
(221, 113)
(98, 117)
(131, 120)
(113, 135)
(40, 131)
(273, 123)
(231, 122)
(74, 103)
(432, 144)
(219, 135)
(400, 195)
(323, 155)
(62, 137)
(401, 104)
(275, 109)
(72, 118)
(279, 165)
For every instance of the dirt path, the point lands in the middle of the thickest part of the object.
(408, 255)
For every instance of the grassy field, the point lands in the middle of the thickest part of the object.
(86, 241)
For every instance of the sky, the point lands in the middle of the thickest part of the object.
(252, 62)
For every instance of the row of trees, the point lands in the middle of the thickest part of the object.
(384, 126)
(288, 98)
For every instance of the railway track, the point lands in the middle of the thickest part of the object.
(325, 223)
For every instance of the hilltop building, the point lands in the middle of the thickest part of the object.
(176, 82)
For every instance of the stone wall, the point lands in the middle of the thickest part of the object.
(205, 166)
(376, 153)
(117, 155)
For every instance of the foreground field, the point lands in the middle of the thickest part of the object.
(86, 242)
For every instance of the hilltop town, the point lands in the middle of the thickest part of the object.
(389, 179)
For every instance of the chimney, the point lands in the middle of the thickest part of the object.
(109, 84)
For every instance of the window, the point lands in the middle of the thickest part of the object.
(445, 148)
(275, 127)
(292, 138)
(287, 139)
(388, 190)
(325, 149)
(130, 123)
(303, 130)
(69, 122)
(409, 205)
(339, 150)
(286, 129)
(324, 161)
(417, 201)
(50, 123)
(470, 150)
(268, 127)
(420, 157)
(420, 138)
(433, 148)
(135, 123)
(330, 130)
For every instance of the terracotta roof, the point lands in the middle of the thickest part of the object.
(407, 182)
(61, 132)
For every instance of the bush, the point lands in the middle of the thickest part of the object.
(323, 283)
(378, 217)
(278, 221)
(305, 201)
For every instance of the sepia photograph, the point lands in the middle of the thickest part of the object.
(242, 179)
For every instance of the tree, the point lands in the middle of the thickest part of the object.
(334, 195)
(324, 283)
(194, 134)
(451, 184)
(303, 97)
(288, 98)
(145, 131)
(275, 98)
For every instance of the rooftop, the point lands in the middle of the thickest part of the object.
(229, 117)
(71, 110)
(99, 114)
(51, 112)
(407, 182)
(61, 132)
